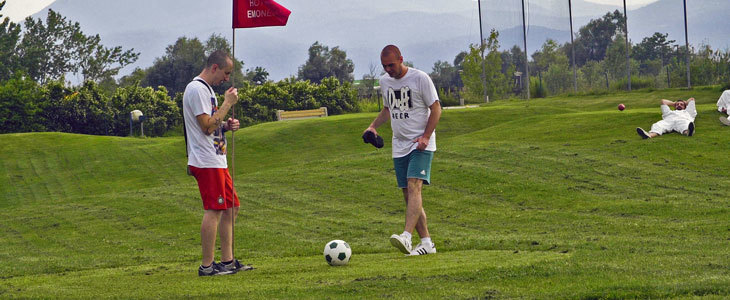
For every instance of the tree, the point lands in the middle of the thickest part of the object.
(136, 77)
(367, 85)
(49, 51)
(9, 38)
(218, 42)
(444, 75)
(182, 62)
(257, 76)
(616, 58)
(553, 65)
(548, 55)
(186, 59)
(592, 75)
(98, 62)
(472, 64)
(19, 109)
(595, 37)
(654, 47)
(323, 63)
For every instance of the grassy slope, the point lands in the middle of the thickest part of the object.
(559, 199)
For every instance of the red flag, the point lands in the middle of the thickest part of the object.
(258, 13)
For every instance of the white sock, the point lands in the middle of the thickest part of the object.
(426, 241)
(406, 234)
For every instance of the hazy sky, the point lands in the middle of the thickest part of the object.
(621, 2)
(17, 10)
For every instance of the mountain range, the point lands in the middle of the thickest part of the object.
(425, 30)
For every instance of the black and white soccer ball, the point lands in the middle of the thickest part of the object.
(337, 253)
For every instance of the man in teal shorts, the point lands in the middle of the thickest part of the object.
(411, 103)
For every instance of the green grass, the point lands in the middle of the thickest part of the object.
(555, 198)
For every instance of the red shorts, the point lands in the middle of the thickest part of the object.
(216, 188)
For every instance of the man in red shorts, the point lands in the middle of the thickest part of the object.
(205, 127)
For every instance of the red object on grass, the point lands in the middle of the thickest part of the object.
(259, 13)
(621, 106)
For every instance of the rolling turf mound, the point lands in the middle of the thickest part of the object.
(551, 198)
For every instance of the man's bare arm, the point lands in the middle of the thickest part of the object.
(382, 117)
(209, 123)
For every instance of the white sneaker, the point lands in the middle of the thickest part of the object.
(422, 249)
(725, 121)
(402, 243)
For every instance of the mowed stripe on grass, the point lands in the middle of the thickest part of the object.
(555, 198)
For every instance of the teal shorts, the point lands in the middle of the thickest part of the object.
(416, 164)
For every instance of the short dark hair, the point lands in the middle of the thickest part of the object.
(218, 57)
(390, 49)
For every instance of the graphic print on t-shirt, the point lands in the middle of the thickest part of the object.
(400, 100)
(219, 138)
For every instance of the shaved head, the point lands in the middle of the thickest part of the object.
(392, 62)
(390, 49)
(220, 58)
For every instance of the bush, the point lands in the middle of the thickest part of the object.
(637, 82)
(259, 103)
(161, 112)
(26, 106)
(537, 90)
(19, 109)
(448, 99)
(86, 110)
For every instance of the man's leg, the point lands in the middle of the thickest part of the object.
(684, 127)
(660, 128)
(415, 214)
(208, 229)
(225, 230)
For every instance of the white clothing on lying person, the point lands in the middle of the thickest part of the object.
(723, 104)
(675, 120)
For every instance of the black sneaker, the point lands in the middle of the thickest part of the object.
(691, 129)
(642, 133)
(213, 270)
(236, 266)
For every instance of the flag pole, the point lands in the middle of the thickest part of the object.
(233, 151)
(527, 62)
(686, 44)
(572, 47)
(628, 58)
(233, 108)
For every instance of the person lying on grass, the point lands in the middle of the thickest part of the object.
(681, 119)
(723, 104)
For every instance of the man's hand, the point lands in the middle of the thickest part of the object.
(370, 129)
(422, 142)
(231, 96)
(232, 124)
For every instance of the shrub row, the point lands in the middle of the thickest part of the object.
(26, 106)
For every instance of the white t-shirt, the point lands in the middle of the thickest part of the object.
(409, 100)
(688, 113)
(204, 151)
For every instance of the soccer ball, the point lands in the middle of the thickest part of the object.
(337, 253)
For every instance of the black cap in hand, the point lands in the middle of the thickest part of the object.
(371, 138)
